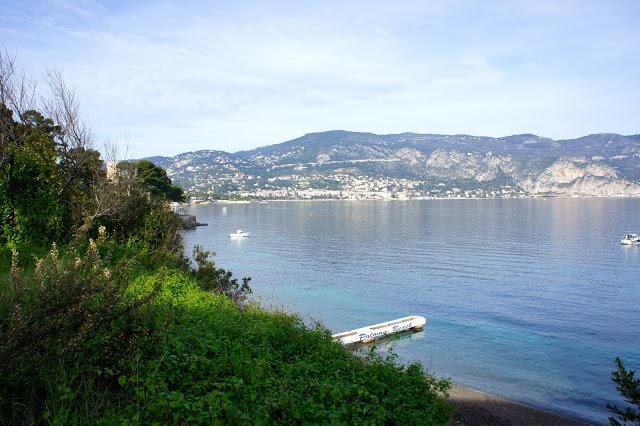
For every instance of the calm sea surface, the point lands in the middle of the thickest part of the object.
(531, 299)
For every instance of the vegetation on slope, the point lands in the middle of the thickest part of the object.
(137, 339)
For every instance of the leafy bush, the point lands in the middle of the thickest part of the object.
(629, 388)
(66, 324)
(218, 280)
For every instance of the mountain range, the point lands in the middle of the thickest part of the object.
(353, 164)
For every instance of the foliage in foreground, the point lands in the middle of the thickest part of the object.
(138, 341)
(221, 364)
(629, 387)
(66, 326)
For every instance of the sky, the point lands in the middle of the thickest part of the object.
(161, 78)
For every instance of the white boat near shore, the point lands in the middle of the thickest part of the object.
(372, 332)
(630, 239)
(239, 234)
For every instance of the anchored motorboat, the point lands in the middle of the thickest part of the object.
(239, 234)
(370, 333)
(630, 239)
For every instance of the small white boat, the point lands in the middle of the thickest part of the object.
(630, 239)
(239, 234)
(372, 332)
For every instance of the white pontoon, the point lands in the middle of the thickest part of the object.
(372, 332)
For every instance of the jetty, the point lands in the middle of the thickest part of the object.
(372, 332)
(189, 221)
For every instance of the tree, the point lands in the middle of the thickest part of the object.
(45, 162)
(82, 170)
(629, 388)
(53, 186)
(156, 180)
(29, 180)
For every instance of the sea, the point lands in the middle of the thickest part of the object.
(529, 299)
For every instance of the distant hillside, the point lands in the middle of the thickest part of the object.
(365, 165)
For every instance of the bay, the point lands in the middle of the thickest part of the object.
(530, 299)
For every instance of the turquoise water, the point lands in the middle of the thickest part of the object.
(531, 299)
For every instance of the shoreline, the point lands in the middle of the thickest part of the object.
(527, 197)
(478, 408)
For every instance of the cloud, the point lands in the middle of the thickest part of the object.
(222, 75)
(475, 61)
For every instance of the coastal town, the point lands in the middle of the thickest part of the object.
(341, 186)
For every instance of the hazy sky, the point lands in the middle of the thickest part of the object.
(169, 77)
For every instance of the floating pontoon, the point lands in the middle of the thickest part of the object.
(373, 332)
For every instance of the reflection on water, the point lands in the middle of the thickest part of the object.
(531, 299)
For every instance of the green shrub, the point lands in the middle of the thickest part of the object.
(218, 280)
(629, 388)
(64, 326)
